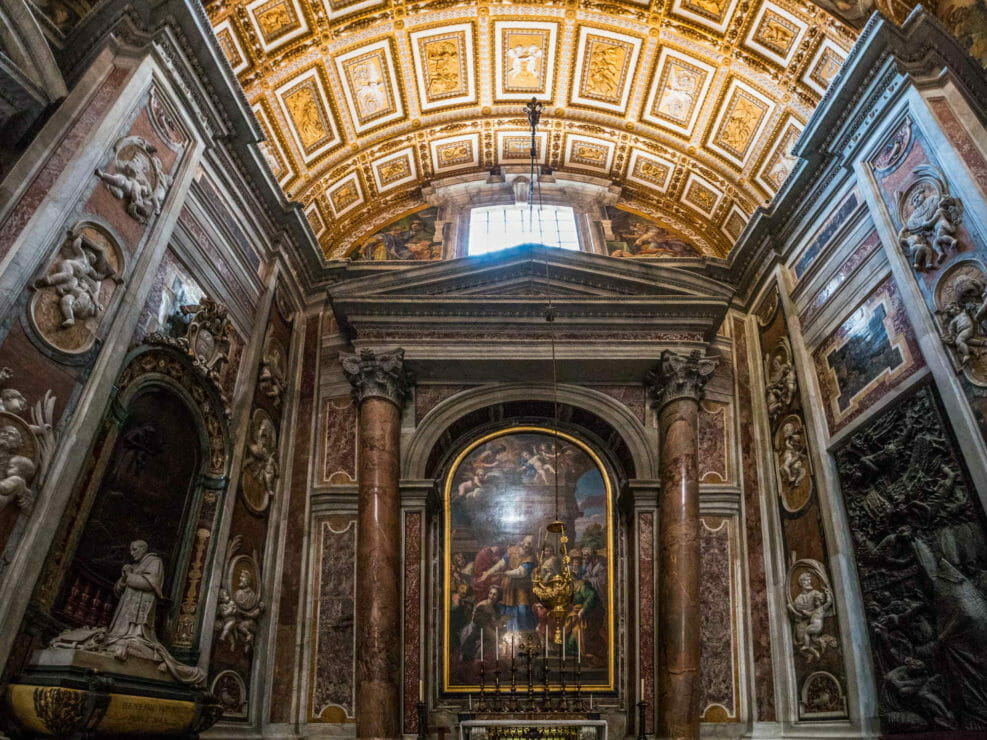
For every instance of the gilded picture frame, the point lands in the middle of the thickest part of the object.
(498, 498)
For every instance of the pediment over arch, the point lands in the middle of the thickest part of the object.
(607, 311)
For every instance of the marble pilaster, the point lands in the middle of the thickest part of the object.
(379, 387)
(677, 386)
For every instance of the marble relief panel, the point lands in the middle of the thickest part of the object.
(332, 670)
(455, 152)
(719, 700)
(735, 223)
(588, 153)
(276, 21)
(920, 545)
(339, 448)
(394, 170)
(833, 222)
(701, 195)
(946, 253)
(714, 14)
(815, 651)
(871, 352)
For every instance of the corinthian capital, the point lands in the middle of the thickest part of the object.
(376, 374)
(680, 376)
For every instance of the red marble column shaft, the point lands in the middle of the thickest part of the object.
(678, 598)
(378, 597)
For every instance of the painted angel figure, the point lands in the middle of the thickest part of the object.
(77, 277)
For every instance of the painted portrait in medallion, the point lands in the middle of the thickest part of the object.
(411, 237)
(500, 497)
(638, 237)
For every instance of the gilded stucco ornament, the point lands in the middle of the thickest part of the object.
(680, 376)
(26, 444)
(929, 217)
(139, 178)
(240, 605)
(377, 374)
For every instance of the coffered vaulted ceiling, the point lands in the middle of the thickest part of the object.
(690, 107)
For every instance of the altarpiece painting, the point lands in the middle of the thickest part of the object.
(501, 494)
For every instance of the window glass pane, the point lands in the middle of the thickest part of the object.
(499, 227)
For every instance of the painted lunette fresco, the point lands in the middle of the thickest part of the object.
(499, 498)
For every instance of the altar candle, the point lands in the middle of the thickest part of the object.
(481, 646)
(496, 644)
(563, 642)
(579, 648)
(512, 647)
(642, 689)
(421, 691)
(471, 701)
(546, 639)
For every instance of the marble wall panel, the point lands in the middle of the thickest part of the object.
(905, 160)
(813, 626)
(428, 396)
(871, 352)
(961, 140)
(718, 633)
(832, 225)
(333, 696)
(413, 629)
(631, 396)
(295, 513)
(714, 442)
(867, 246)
(338, 450)
(646, 611)
(920, 545)
(764, 686)
(36, 192)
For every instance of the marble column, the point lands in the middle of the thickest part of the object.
(380, 386)
(677, 386)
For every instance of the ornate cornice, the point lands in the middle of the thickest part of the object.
(377, 375)
(680, 376)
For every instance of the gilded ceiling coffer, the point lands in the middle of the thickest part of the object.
(677, 387)
(380, 386)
